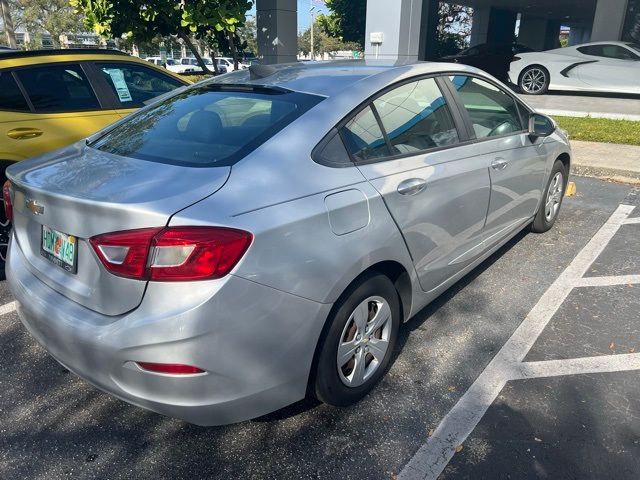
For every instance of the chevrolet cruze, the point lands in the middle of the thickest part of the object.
(260, 237)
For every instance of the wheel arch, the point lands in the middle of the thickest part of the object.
(396, 273)
(565, 158)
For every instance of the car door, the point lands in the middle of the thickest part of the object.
(62, 108)
(613, 68)
(130, 85)
(516, 164)
(407, 144)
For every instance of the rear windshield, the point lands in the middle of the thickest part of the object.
(207, 126)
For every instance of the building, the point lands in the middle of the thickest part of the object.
(406, 29)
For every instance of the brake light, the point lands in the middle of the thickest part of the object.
(170, 368)
(6, 196)
(172, 254)
(516, 59)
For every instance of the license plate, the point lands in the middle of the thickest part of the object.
(59, 248)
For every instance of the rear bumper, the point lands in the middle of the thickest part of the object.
(255, 343)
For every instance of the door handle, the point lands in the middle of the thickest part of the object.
(413, 186)
(24, 133)
(499, 164)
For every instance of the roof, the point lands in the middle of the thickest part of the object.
(612, 42)
(7, 54)
(319, 78)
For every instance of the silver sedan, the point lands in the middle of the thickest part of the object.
(260, 237)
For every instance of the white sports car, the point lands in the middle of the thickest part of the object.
(612, 67)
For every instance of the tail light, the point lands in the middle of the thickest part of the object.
(6, 196)
(172, 254)
(516, 59)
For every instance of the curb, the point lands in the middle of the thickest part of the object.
(570, 113)
(609, 174)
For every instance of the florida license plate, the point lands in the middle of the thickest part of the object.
(60, 248)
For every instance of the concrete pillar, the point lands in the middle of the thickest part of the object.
(552, 35)
(502, 26)
(396, 27)
(480, 25)
(277, 23)
(427, 49)
(609, 20)
(579, 35)
(539, 33)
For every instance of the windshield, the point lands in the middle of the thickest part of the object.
(170, 61)
(206, 126)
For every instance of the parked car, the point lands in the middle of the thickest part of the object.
(492, 58)
(221, 68)
(612, 67)
(227, 62)
(170, 64)
(264, 234)
(51, 98)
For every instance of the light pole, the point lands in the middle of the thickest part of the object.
(311, 11)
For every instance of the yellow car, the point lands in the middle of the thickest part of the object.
(51, 98)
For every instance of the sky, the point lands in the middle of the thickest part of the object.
(304, 17)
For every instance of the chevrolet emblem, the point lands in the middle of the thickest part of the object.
(35, 207)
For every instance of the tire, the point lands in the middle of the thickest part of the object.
(5, 232)
(534, 80)
(365, 319)
(551, 199)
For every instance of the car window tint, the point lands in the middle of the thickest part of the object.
(11, 97)
(58, 88)
(363, 137)
(416, 117)
(205, 126)
(492, 111)
(135, 84)
(609, 51)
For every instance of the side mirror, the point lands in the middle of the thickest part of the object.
(541, 126)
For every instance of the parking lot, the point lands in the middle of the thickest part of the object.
(527, 368)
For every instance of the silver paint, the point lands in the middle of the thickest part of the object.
(434, 215)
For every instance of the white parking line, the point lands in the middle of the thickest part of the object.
(7, 308)
(574, 366)
(431, 459)
(632, 221)
(608, 281)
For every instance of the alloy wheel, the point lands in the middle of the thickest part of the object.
(554, 197)
(534, 80)
(364, 341)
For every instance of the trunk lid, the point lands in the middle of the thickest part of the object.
(84, 192)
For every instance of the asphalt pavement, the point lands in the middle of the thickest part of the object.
(563, 425)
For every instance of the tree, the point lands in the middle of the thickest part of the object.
(347, 21)
(454, 28)
(186, 19)
(53, 16)
(248, 34)
(7, 22)
(322, 42)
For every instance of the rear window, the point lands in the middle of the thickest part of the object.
(206, 126)
(11, 97)
(58, 88)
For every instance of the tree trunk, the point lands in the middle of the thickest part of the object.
(232, 46)
(8, 23)
(185, 38)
